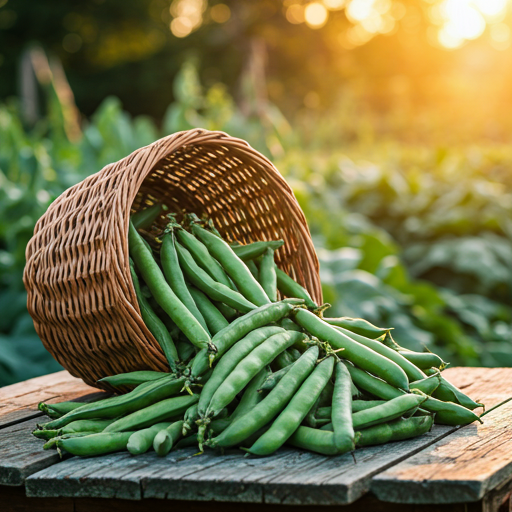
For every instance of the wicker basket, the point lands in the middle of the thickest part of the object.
(80, 293)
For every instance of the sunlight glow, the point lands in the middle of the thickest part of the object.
(295, 14)
(491, 7)
(188, 16)
(334, 4)
(463, 20)
(316, 15)
(372, 17)
(500, 36)
(358, 10)
(453, 22)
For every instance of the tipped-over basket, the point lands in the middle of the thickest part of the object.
(77, 275)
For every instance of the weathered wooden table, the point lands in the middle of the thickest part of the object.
(449, 469)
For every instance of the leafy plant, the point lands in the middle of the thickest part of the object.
(420, 240)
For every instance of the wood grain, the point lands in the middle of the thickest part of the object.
(469, 463)
(290, 477)
(18, 402)
(22, 454)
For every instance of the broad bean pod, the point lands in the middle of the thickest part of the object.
(156, 413)
(291, 417)
(359, 354)
(263, 413)
(233, 265)
(256, 249)
(163, 293)
(213, 289)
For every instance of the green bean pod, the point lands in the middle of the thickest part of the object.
(46, 434)
(219, 425)
(428, 385)
(271, 381)
(203, 258)
(132, 378)
(446, 413)
(190, 418)
(142, 440)
(256, 249)
(85, 426)
(95, 444)
(324, 413)
(358, 326)
(52, 442)
(163, 293)
(397, 430)
(142, 396)
(283, 360)
(253, 269)
(233, 265)
(228, 313)
(362, 405)
(161, 411)
(372, 385)
(247, 368)
(175, 278)
(450, 393)
(230, 360)
(319, 441)
(341, 411)
(388, 411)
(423, 360)
(154, 324)
(293, 414)
(240, 327)
(290, 325)
(310, 420)
(324, 399)
(354, 351)
(144, 219)
(214, 319)
(289, 288)
(57, 410)
(449, 413)
(214, 290)
(270, 406)
(250, 398)
(267, 275)
(412, 371)
(185, 349)
(167, 437)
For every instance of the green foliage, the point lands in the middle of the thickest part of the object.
(448, 224)
(420, 240)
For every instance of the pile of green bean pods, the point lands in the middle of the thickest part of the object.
(254, 362)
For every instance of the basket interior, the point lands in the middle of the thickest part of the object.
(246, 200)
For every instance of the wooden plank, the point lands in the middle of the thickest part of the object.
(289, 477)
(18, 402)
(469, 463)
(99, 477)
(22, 454)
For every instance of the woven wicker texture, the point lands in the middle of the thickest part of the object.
(77, 275)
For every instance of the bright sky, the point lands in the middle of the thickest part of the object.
(454, 21)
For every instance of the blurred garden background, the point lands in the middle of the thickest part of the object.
(390, 119)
